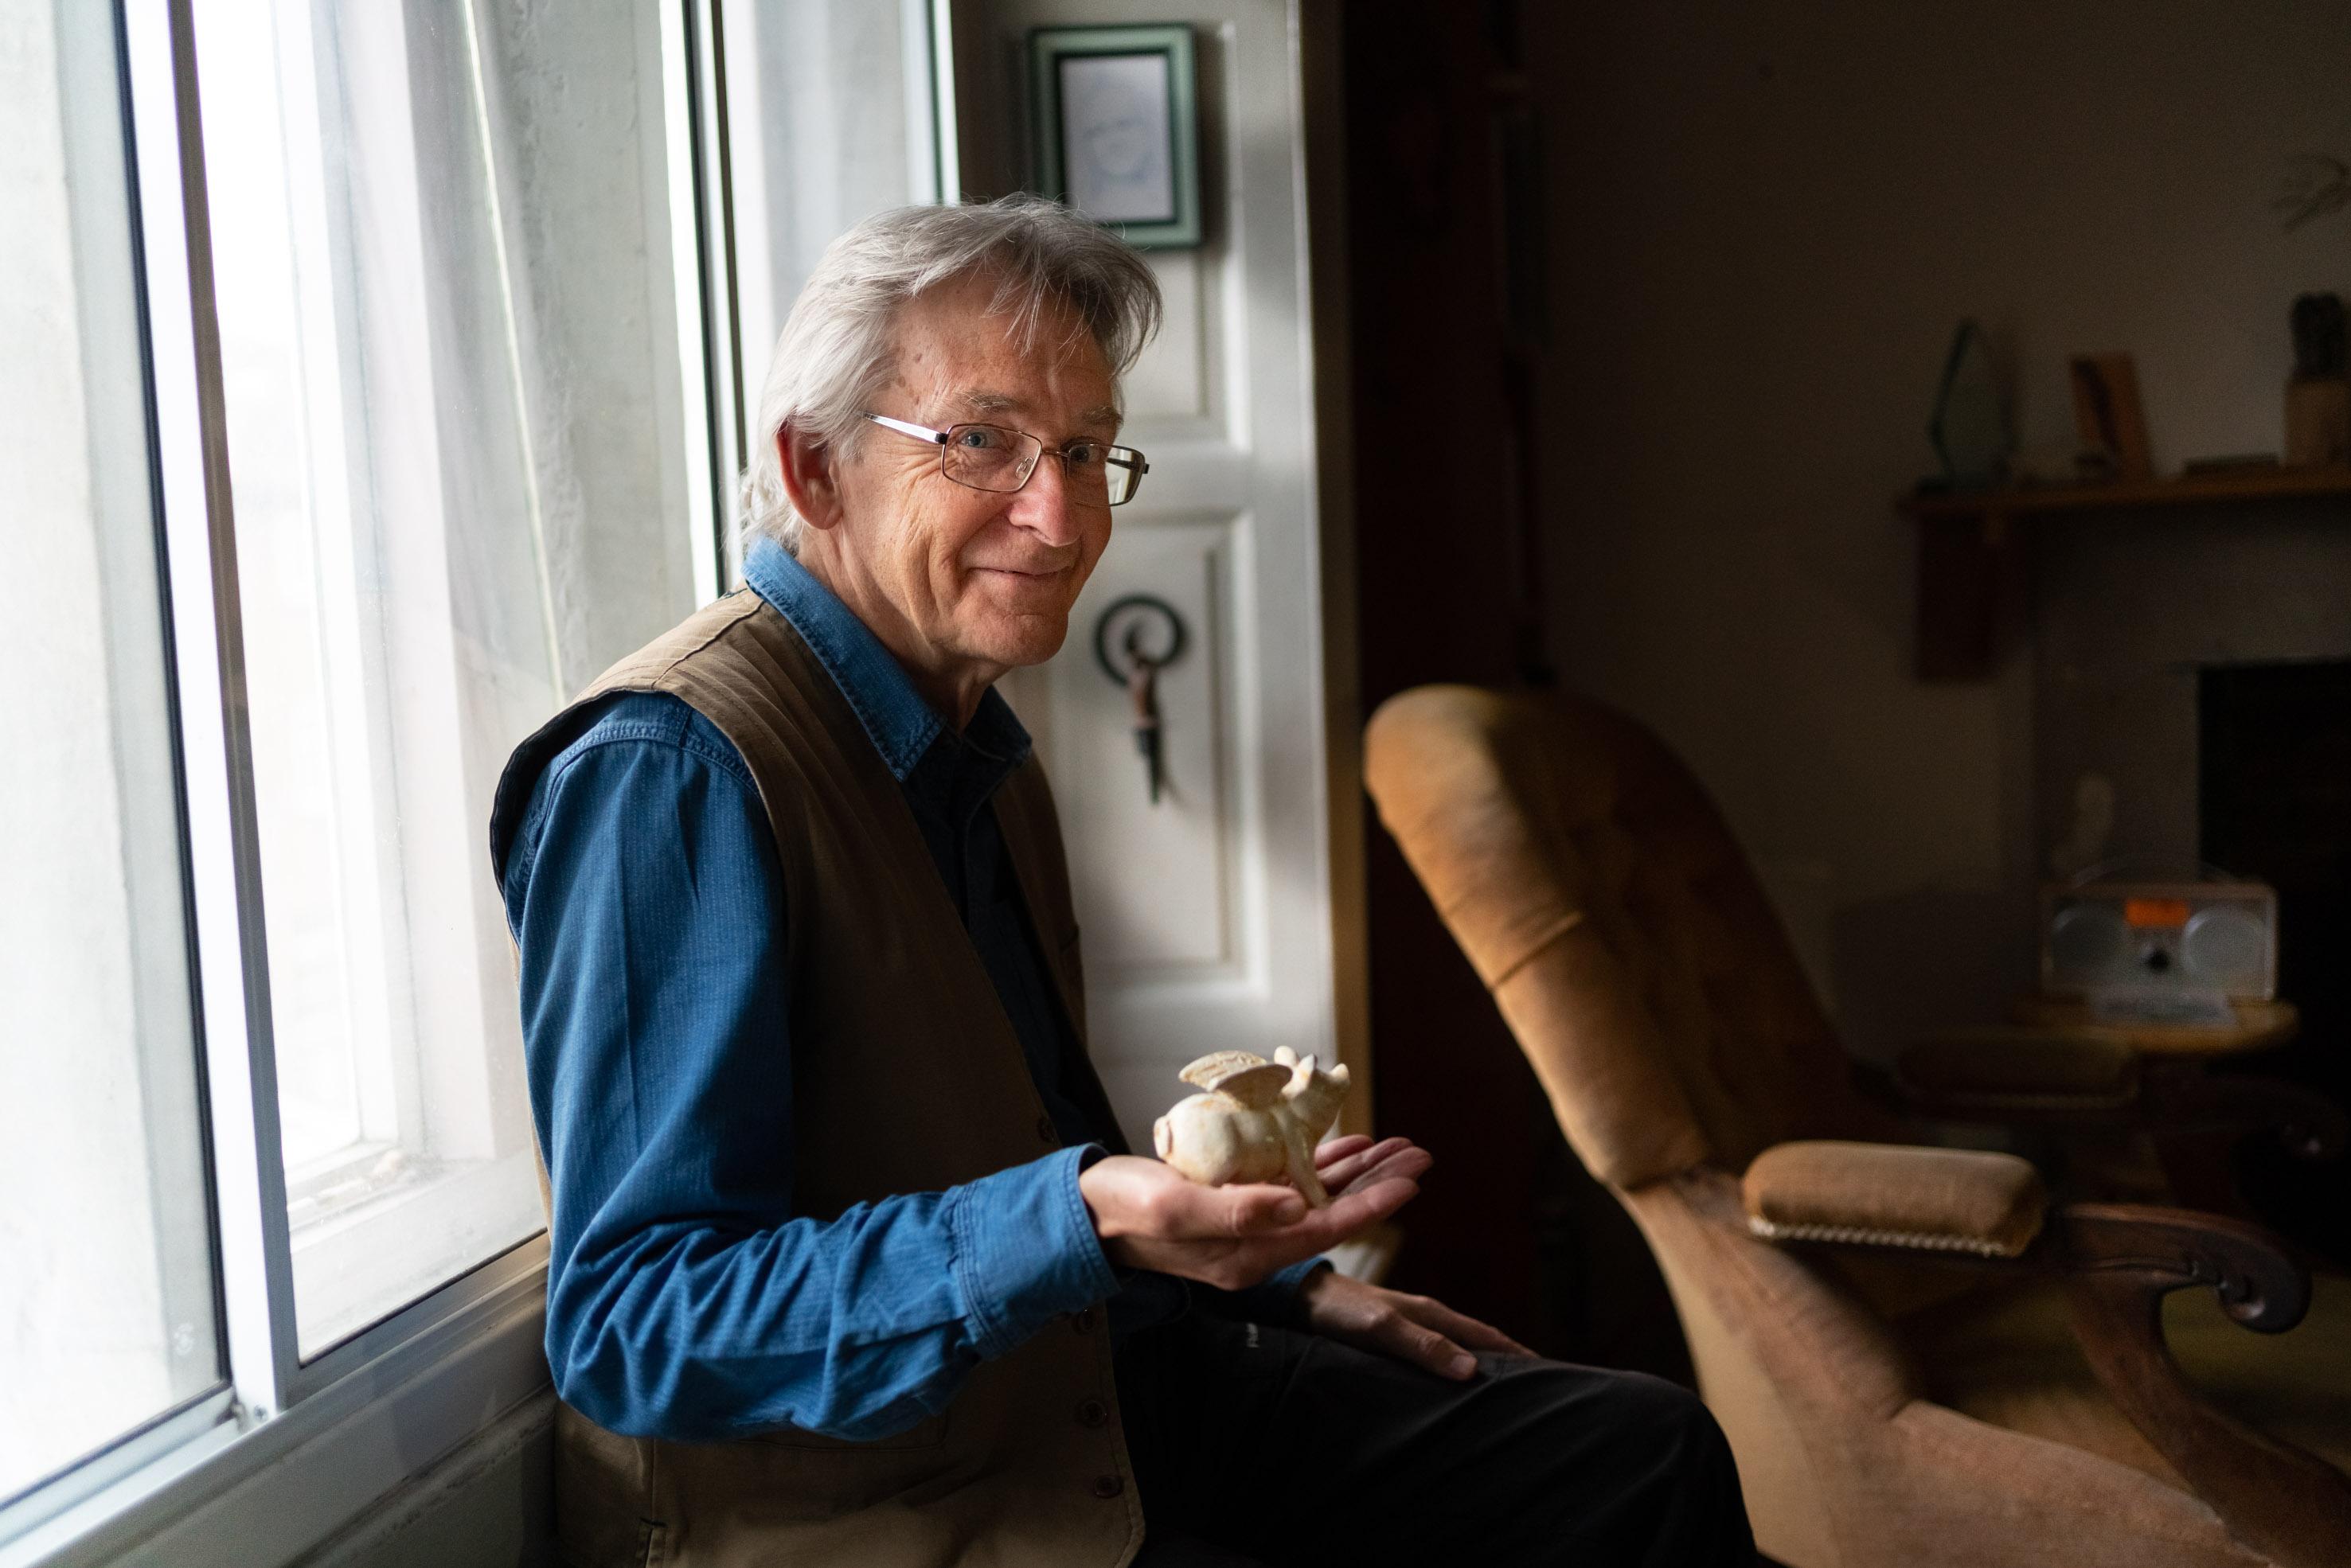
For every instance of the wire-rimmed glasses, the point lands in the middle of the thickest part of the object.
(995, 457)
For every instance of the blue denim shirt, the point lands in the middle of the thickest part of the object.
(684, 1297)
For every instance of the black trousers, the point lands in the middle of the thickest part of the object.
(1257, 1445)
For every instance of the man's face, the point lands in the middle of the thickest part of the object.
(977, 578)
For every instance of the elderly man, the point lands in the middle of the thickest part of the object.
(850, 1264)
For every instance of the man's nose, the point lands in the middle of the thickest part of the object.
(1043, 505)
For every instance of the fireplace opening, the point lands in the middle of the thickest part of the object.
(2273, 803)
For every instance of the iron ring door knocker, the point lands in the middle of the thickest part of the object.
(1128, 617)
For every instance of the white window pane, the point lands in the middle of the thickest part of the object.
(107, 1315)
(456, 449)
(830, 123)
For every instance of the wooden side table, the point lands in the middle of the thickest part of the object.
(2196, 1162)
(2259, 1026)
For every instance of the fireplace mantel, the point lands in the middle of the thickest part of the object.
(1972, 547)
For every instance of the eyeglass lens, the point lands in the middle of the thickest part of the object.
(990, 457)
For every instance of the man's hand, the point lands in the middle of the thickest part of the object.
(1149, 1217)
(1411, 1327)
(1425, 1333)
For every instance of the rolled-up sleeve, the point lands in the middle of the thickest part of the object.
(684, 1297)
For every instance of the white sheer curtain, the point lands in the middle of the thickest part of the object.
(457, 435)
(831, 107)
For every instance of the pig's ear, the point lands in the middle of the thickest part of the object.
(1203, 1073)
(1338, 1077)
(1284, 1055)
(1256, 1087)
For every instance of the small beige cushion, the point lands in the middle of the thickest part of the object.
(1894, 1195)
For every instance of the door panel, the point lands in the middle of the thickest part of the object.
(1207, 916)
(1162, 903)
(1174, 381)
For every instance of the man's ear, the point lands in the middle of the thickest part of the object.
(810, 481)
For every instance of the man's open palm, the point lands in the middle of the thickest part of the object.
(1150, 1216)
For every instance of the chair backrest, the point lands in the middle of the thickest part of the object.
(1597, 891)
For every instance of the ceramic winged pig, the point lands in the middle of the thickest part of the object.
(1253, 1120)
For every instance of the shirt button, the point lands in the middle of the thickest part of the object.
(1108, 1486)
(1083, 1320)
(1093, 1413)
(1047, 1131)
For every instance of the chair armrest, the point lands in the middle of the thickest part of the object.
(2149, 1251)
(1992, 1206)
(1892, 1195)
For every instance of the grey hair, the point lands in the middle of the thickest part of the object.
(836, 350)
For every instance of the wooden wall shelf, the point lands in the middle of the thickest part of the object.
(1971, 562)
(2235, 484)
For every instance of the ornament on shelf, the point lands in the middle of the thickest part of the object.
(2318, 395)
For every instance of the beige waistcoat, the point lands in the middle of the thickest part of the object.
(906, 1077)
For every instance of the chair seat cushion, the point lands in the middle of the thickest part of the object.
(2008, 1357)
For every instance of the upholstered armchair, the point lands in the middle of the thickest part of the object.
(1918, 1357)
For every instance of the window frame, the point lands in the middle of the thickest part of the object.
(263, 1465)
(400, 1029)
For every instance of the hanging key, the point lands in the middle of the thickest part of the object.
(1143, 691)
(1135, 637)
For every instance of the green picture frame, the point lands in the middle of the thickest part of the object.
(1115, 129)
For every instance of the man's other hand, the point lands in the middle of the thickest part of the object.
(1425, 1333)
(1150, 1216)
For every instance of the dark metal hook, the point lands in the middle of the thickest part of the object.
(1130, 643)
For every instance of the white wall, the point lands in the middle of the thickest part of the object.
(1764, 223)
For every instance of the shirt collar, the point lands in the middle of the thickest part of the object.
(902, 726)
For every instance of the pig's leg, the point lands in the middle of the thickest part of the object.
(1301, 1163)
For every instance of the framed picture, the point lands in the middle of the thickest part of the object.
(1117, 130)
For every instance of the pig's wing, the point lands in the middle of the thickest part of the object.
(1259, 1087)
(1203, 1073)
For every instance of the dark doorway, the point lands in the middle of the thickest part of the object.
(1445, 247)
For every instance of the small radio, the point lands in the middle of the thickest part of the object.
(2158, 938)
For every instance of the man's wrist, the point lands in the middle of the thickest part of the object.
(1287, 1298)
(1100, 1217)
(1025, 1249)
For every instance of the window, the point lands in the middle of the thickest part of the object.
(836, 110)
(362, 402)
(371, 384)
(442, 365)
(107, 1317)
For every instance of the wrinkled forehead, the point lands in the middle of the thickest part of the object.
(992, 403)
(966, 352)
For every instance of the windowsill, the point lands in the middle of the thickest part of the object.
(357, 1263)
(260, 1494)
(319, 1191)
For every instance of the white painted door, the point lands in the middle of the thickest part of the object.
(1206, 917)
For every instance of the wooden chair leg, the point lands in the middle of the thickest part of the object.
(2287, 1504)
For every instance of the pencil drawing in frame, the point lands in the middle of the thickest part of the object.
(1116, 129)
